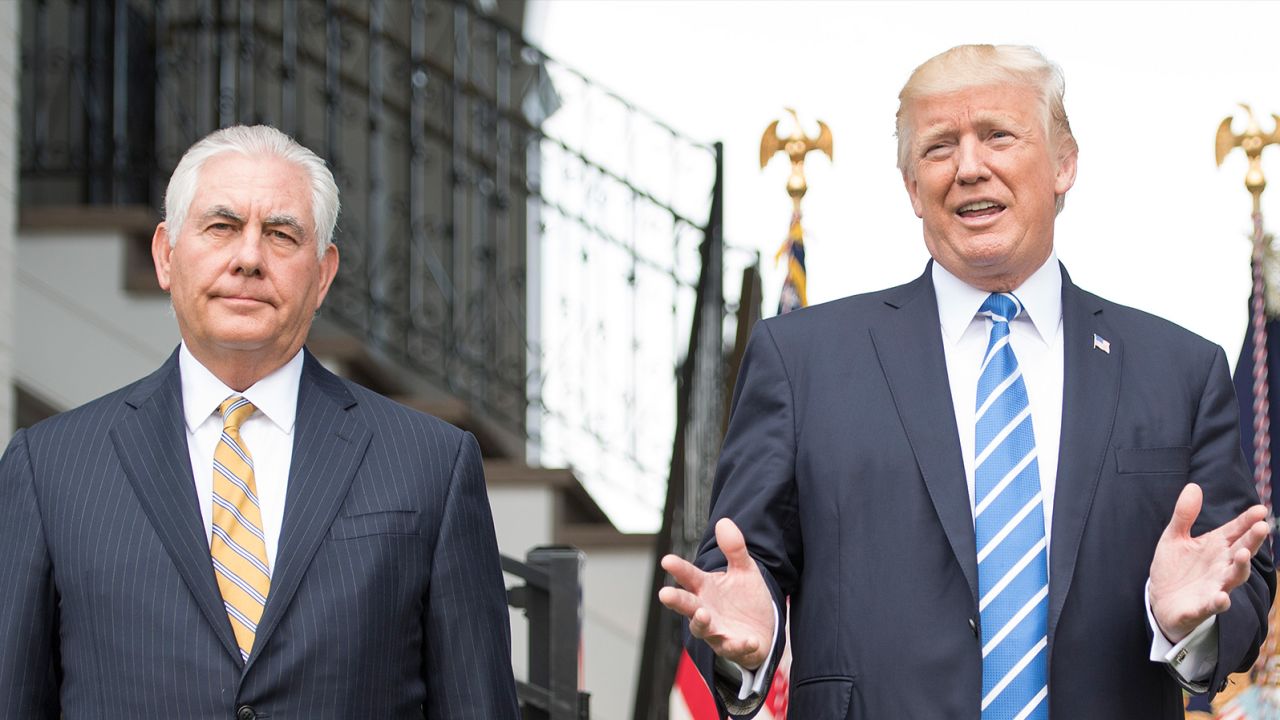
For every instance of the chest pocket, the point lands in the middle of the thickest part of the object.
(385, 522)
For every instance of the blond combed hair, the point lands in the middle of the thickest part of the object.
(967, 66)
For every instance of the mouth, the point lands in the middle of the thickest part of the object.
(980, 210)
(241, 300)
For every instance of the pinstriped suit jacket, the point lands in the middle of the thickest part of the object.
(387, 599)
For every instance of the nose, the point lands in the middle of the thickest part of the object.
(971, 162)
(248, 257)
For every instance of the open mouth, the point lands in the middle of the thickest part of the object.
(980, 209)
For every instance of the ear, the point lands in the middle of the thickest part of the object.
(162, 255)
(328, 269)
(909, 180)
(1066, 176)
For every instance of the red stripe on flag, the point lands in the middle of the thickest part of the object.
(694, 690)
(779, 694)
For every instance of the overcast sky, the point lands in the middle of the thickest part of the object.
(1151, 221)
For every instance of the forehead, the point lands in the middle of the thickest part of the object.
(977, 106)
(253, 186)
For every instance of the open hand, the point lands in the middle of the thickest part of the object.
(1191, 577)
(731, 609)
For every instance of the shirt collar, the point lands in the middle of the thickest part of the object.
(1040, 294)
(275, 396)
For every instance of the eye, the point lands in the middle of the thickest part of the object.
(937, 150)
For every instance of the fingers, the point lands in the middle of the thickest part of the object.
(1252, 537)
(684, 572)
(1221, 603)
(1185, 511)
(681, 601)
(733, 545)
(739, 651)
(1244, 523)
(1238, 570)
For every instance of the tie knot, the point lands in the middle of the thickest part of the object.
(235, 410)
(1001, 307)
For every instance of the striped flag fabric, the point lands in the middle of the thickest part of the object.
(794, 288)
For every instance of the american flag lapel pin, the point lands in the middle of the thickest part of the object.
(1099, 343)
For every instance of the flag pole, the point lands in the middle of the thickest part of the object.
(1258, 698)
(796, 145)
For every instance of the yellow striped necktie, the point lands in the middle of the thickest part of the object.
(238, 549)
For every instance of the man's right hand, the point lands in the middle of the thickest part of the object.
(731, 609)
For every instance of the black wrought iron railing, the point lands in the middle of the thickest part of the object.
(551, 598)
(416, 105)
(522, 237)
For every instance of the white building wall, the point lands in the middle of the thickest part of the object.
(10, 16)
(523, 518)
(615, 589)
(82, 335)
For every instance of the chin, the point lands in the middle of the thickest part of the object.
(242, 339)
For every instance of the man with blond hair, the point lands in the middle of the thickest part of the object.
(986, 493)
(243, 534)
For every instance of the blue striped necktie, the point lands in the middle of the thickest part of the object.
(1013, 576)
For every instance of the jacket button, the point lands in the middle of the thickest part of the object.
(246, 713)
(973, 625)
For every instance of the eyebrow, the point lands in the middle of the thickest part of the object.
(998, 118)
(288, 221)
(224, 212)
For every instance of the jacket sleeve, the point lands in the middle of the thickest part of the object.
(755, 487)
(467, 645)
(28, 602)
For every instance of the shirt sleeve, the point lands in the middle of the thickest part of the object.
(1193, 658)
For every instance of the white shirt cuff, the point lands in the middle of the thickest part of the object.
(753, 679)
(1194, 657)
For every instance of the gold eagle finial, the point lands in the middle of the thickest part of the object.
(796, 146)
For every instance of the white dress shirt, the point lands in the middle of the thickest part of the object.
(267, 435)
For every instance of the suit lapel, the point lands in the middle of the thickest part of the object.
(908, 342)
(1090, 394)
(151, 444)
(329, 445)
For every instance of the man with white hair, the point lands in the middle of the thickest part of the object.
(243, 534)
(986, 493)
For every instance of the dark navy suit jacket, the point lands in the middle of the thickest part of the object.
(387, 599)
(842, 465)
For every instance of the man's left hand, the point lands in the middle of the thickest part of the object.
(1191, 577)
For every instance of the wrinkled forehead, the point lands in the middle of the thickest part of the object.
(236, 186)
(1016, 106)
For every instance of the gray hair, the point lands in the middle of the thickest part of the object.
(966, 66)
(252, 141)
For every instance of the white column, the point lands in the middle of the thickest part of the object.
(9, 87)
